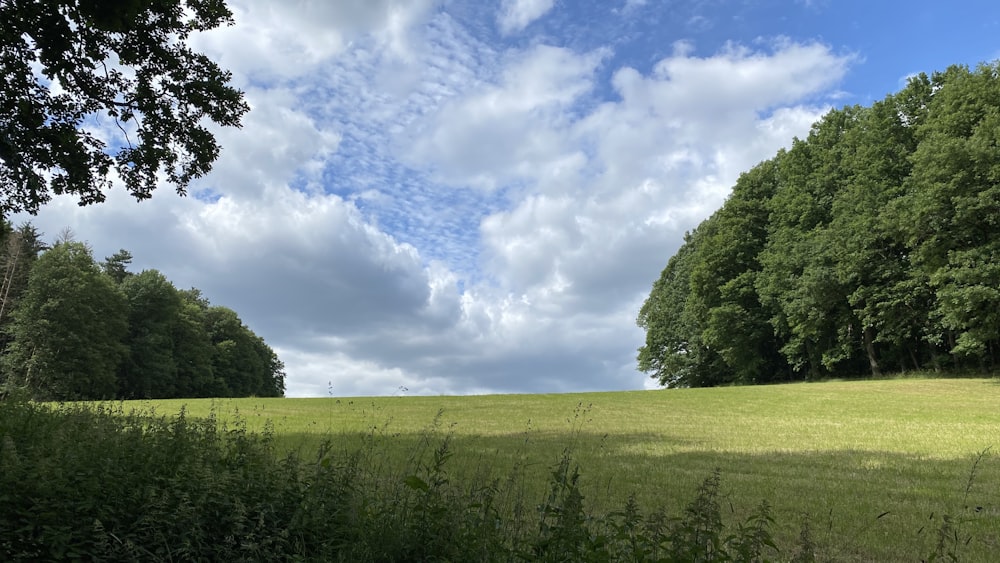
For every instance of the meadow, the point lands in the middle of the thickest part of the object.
(877, 470)
(886, 470)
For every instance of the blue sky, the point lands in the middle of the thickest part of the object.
(457, 196)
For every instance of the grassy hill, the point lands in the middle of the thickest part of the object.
(873, 465)
(876, 470)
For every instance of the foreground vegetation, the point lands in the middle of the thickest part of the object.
(122, 486)
(874, 470)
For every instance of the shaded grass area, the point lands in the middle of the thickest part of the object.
(83, 482)
(877, 470)
(840, 453)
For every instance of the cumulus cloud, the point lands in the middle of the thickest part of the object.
(280, 40)
(410, 205)
(665, 153)
(508, 130)
(310, 263)
(515, 15)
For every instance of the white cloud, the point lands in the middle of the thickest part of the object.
(409, 206)
(277, 142)
(662, 158)
(515, 15)
(502, 132)
(279, 40)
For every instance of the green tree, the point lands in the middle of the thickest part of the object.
(193, 348)
(812, 316)
(735, 323)
(150, 370)
(242, 363)
(19, 248)
(953, 209)
(68, 328)
(871, 243)
(673, 353)
(69, 65)
(889, 300)
(116, 265)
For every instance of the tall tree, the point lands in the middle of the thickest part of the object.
(736, 324)
(70, 66)
(67, 329)
(881, 247)
(242, 363)
(193, 348)
(797, 281)
(871, 258)
(674, 353)
(116, 265)
(953, 207)
(154, 307)
(19, 248)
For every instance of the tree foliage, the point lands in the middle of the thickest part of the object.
(19, 249)
(96, 86)
(68, 328)
(150, 370)
(872, 244)
(81, 330)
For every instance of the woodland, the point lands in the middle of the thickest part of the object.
(75, 329)
(870, 246)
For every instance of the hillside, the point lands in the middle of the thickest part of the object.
(842, 453)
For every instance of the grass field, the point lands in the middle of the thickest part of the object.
(875, 466)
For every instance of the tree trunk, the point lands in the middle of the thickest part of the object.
(913, 356)
(869, 339)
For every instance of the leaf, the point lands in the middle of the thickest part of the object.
(416, 483)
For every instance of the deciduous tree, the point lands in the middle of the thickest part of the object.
(68, 328)
(154, 307)
(95, 86)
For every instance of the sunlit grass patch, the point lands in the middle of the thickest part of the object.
(873, 465)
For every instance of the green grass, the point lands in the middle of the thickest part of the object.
(873, 465)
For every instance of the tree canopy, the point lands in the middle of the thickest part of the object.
(95, 86)
(68, 328)
(870, 245)
(77, 329)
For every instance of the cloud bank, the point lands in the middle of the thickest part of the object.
(416, 203)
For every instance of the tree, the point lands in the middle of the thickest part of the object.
(737, 325)
(871, 243)
(953, 206)
(242, 363)
(71, 68)
(150, 370)
(68, 328)
(116, 265)
(798, 281)
(19, 248)
(872, 261)
(673, 353)
(193, 347)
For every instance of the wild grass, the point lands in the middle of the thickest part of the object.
(895, 470)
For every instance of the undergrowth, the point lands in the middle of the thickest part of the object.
(98, 483)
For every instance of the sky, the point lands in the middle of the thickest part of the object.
(466, 197)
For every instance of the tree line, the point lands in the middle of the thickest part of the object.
(75, 329)
(872, 245)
